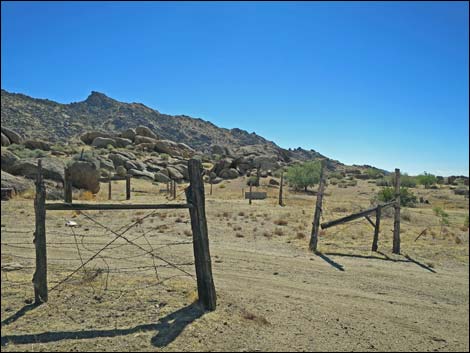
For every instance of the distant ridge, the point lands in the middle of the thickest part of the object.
(46, 119)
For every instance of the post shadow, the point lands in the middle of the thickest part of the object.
(168, 327)
(330, 261)
(19, 313)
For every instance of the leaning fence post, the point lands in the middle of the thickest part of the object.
(375, 242)
(128, 187)
(318, 209)
(202, 257)
(396, 223)
(67, 186)
(280, 190)
(40, 275)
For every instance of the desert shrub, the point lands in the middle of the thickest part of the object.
(407, 198)
(374, 173)
(352, 183)
(383, 182)
(23, 152)
(334, 181)
(405, 180)
(222, 186)
(252, 180)
(279, 231)
(335, 175)
(426, 179)
(164, 156)
(405, 215)
(301, 176)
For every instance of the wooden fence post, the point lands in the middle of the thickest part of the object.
(128, 187)
(396, 223)
(375, 242)
(280, 190)
(202, 257)
(249, 197)
(318, 209)
(109, 187)
(40, 275)
(174, 189)
(210, 181)
(67, 186)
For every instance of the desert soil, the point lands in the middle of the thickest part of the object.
(273, 294)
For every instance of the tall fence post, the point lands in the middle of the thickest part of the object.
(128, 187)
(210, 181)
(396, 223)
(174, 189)
(67, 186)
(202, 257)
(375, 242)
(40, 274)
(281, 203)
(318, 210)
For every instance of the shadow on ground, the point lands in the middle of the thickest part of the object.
(372, 257)
(168, 329)
(19, 314)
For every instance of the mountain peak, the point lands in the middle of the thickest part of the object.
(99, 99)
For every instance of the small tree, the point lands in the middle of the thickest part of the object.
(304, 175)
(426, 179)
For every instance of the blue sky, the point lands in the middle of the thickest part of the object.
(376, 83)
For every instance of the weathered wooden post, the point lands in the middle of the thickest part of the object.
(396, 223)
(249, 197)
(318, 209)
(109, 187)
(210, 181)
(40, 275)
(258, 174)
(202, 257)
(280, 190)
(375, 242)
(128, 187)
(67, 186)
(174, 189)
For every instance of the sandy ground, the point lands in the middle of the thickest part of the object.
(273, 294)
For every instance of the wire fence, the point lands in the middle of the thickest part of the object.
(98, 246)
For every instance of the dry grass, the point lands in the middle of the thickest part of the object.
(247, 270)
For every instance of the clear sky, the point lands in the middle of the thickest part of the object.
(385, 84)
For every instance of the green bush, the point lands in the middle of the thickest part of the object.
(335, 175)
(407, 198)
(383, 182)
(426, 179)
(22, 152)
(374, 173)
(301, 176)
(405, 180)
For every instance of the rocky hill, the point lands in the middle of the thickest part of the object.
(52, 121)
